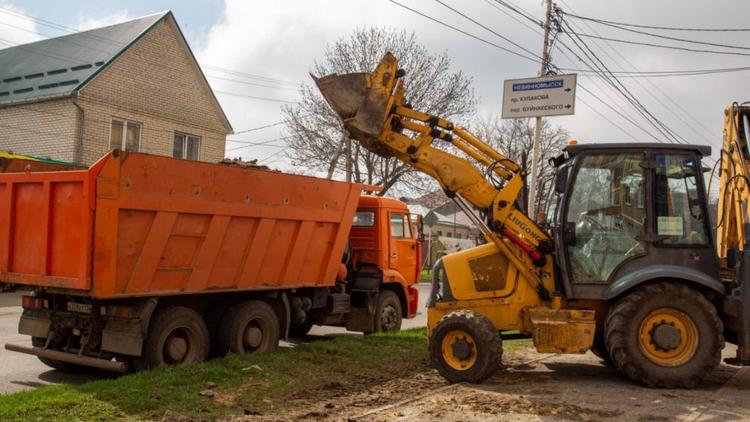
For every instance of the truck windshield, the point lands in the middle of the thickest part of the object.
(364, 219)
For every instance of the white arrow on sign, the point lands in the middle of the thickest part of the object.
(539, 97)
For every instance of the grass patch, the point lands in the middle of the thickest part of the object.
(425, 275)
(254, 384)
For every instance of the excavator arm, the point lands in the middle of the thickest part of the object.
(375, 113)
(734, 185)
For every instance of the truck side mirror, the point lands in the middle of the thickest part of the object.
(561, 179)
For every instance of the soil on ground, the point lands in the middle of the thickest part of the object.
(530, 387)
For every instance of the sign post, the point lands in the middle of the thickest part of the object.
(537, 97)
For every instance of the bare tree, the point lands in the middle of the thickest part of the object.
(317, 135)
(515, 139)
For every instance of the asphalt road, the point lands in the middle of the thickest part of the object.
(19, 371)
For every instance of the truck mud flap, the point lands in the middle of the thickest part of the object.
(107, 365)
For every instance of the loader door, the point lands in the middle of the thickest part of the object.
(402, 254)
(605, 216)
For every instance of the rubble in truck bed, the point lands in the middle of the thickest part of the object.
(239, 162)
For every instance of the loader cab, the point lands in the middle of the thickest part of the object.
(626, 214)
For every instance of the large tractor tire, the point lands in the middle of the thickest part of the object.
(388, 312)
(664, 335)
(248, 327)
(176, 336)
(57, 364)
(465, 347)
(599, 349)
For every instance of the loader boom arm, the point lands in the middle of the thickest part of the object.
(374, 111)
(734, 184)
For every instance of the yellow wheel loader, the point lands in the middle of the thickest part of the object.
(628, 269)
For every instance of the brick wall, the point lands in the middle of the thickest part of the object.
(157, 84)
(46, 129)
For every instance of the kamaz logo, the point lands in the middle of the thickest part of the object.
(526, 229)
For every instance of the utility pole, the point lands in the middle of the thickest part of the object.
(538, 130)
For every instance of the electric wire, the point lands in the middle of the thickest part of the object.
(665, 28)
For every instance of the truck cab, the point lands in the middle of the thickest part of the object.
(385, 236)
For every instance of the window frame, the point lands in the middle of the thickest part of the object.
(124, 141)
(368, 211)
(702, 199)
(185, 137)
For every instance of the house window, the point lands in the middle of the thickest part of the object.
(125, 135)
(186, 146)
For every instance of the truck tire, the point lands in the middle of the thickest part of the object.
(388, 312)
(465, 347)
(300, 330)
(177, 335)
(56, 364)
(664, 335)
(247, 327)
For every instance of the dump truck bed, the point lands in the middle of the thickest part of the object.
(140, 225)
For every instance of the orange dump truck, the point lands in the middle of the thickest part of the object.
(142, 260)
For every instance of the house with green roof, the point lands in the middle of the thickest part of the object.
(134, 86)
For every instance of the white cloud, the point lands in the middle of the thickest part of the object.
(281, 40)
(14, 28)
(86, 22)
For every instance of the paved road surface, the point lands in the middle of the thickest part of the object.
(19, 371)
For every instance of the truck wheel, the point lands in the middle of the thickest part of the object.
(300, 330)
(250, 326)
(56, 364)
(176, 336)
(465, 347)
(388, 312)
(664, 335)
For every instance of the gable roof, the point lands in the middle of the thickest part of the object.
(58, 67)
(61, 66)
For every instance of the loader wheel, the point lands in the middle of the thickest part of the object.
(57, 364)
(176, 336)
(388, 312)
(465, 347)
(664, 335)
(599, 349)
(249, 326)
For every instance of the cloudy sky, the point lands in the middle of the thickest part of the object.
(275, 43)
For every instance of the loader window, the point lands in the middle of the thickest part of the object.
(603, 215)
(680, 216)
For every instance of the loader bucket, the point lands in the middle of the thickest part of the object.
(363, 101)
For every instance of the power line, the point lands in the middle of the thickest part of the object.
(665, 73)
(665, 28)
(619, 113)
(266, 143)
(280, 122)
(506, 39)
(463, 32)
(655, 86)
(651, 34)
(669, 47)
(275, 100)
